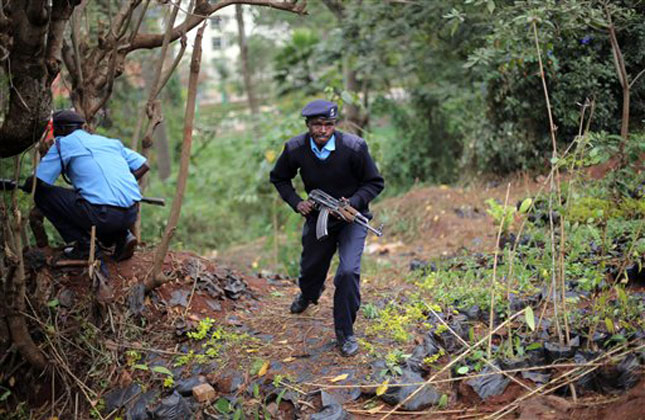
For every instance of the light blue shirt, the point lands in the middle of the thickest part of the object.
(99, 168)
(329, 147)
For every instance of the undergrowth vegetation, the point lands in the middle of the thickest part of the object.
(570, 270)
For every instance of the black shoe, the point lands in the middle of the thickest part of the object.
(78, 251)
(125, 246)
(299, 304)
(348, 346)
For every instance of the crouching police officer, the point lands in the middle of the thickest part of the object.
(339, 164)
(104, 175)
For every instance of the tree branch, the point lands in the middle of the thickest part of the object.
(61, 12)
(203, 10)
(153, 107)
(619, 62)
(636, 78)
(168, 73)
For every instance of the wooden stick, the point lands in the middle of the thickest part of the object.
(192, 292)
(552, 130)
(70, 263)
(461, 378)
(90, 261)
(411, 413)
(492, 286)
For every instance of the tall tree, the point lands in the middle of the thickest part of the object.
(244, 59)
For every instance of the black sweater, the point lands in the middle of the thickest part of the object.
(349, 171)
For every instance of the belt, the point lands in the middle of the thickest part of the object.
(123, 209)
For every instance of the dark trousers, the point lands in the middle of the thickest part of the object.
(73, 217)
(349, 240)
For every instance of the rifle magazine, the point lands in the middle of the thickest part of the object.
(321, 224)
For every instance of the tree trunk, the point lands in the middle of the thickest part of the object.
(30, 97)
(355, 121)
(156, 278)
(164, 165)
(15, 291)
(244, 58)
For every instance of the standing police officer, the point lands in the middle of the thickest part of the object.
(339, 164)
(104, 175)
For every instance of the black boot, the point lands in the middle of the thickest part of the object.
(347, 344)
(125, 246)
(299, 304)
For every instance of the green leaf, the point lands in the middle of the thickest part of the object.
(223, 406)
(454, 27)
(526, 204)
(238, 414)
(161, 369)
(554, 160)
(5, 395)
(529, 317)
(610, 325)
(347, 97)
(140, 367)
(463, 370)
(622, 296)
(490, 5)
(280, 395)
(53, 303)
(534, 346)
(443, 401)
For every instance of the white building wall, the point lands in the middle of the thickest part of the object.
(220, 48)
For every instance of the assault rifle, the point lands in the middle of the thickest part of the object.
(10, 185)
(327, 204)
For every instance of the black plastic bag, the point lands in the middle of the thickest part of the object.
(139, 407)
(430, 347)
(234, 287)
(119, 398)
(331, 409)
(489, 385)
(423, 399)
(185, 386)
(173, 407)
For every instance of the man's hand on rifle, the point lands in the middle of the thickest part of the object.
(305, 207)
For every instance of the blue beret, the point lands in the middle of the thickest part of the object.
(320, 108)
(67, 117)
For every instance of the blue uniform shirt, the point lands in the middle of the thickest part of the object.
(329, 147)
(99, 168)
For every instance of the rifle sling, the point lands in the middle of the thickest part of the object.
(63, 168)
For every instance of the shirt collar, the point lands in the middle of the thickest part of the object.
(330, 145)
